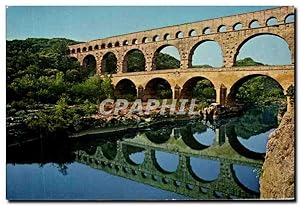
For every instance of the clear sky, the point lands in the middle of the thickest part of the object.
(89, 23)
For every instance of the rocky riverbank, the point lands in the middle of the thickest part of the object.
(278, 177)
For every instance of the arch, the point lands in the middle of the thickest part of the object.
(145, 40)
(103, 46)
(78, 50)
(73, 51)
(134, 155)
(290, 18)
(167, 36)
(231, 99)
(254, 24)
(204, 170)
(272, 21)
(157, 88)
(117, 44)
(109, 45)
(84, 49)
(74, 59)
(193, 33)
(89, 61)
(199, 87)
(259, 43)
(164, 56)
(237, 26)
(206, 53)
(179, 35)
(126, 89)
(96, 47)
(206, 30)
(90, 48)
(134, 41)
(158, 135)
(109, 63)
(68, 51)
(222, 28)
(125, 43)
(109, 150)
(165, 162)
(155, 38)
(134, 61)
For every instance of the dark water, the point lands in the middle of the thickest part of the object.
(172, 160)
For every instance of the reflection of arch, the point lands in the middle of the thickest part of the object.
(156, 53)
(109, 63)
(253, 37)
(198, 45)
(187, 88)
(235, 87)
(129, 150)
(137, 61)
(158, 88)
(239, 182)
(197, 173)
(189, 140)
(164, 166)
(159, 136)
(109, 150)
(124, 88)
(89, 61)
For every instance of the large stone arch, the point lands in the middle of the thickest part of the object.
(197, 44)
(104, 65)
(125, 87)
(230, 100)
(125, 59)
(151, 87)
(249, 37)
(158, 50)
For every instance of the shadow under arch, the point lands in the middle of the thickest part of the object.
(157, 88)
(215, 165)
(197, 45)
(240, 46)
(134, 61)
(168, 165)
(190, 84)
(89, 61)
(156, 54)
(231, 98)
(129, 150)
(126, 89)
(239, 182)
(109, 150)
(109, 63)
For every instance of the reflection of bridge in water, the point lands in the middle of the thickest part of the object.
(114, 159)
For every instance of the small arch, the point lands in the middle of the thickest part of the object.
(193, 33)
(237, 26)
(73, 51)
(167, 36)
(117, 44)
(84, 49)
(156, 38)
(96, 47)
(90, 48)
(68, 51)
(109, 45)
(134, 41)
(272, 21)
(222, 28)
(134, 61)
(254, 24)
(145, 40)
(179, 35)
(109, 63)
(103, 46)
(125, 43)
(206, 30)
(290, 18)
(126, 89)
(78, 50)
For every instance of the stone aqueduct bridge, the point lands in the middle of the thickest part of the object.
(183, 181)
(225, 80)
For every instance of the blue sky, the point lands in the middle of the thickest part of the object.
(88, 23)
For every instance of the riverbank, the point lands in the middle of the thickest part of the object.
(278, 176)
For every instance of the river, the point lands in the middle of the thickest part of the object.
(173, 160)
